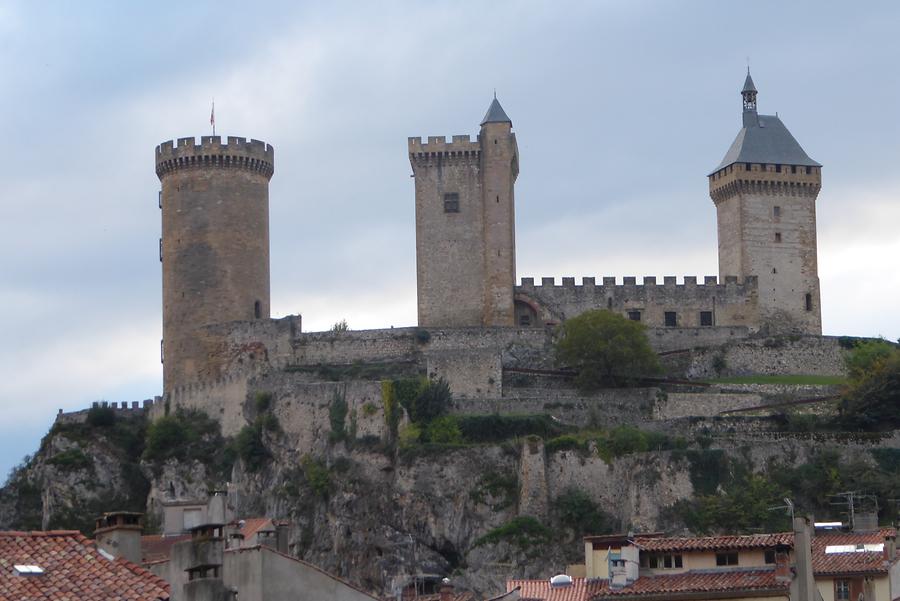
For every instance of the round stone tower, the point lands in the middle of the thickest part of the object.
(214, 247)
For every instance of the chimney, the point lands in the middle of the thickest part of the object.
(446, 590)
(284, 531)
(118, 534)
(806, 585)
(783, 564)
(890, 548)
(624, 571)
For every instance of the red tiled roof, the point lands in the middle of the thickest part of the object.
(581, 589)
(73, 569)
(155, 547)
(701, 581)
(713, 543)
(862, 562)
(253, 525)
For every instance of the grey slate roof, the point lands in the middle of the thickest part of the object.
(765, 141)
(495, 114)
(748, 84)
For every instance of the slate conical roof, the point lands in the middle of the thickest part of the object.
(766, 140)
(748, 84)
(495, 114)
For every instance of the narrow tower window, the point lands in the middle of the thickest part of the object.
(776, 211)
(808, 301)
(160, 199)
(451, 202)
(257, 309)
(777, 236)
(160, 250)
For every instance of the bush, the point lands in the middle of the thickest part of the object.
(606, 349)
(431, 402)
(166, 437)
(497, 428)
(577, 511)
(340, 326)
(250, 448)
(186, 435)
(624, 440)
(444, 430)
(337, 415)
(71, 460)
(101, 417)
(263, 401)
(316, 475)
(566, 442)
(872, 401)
(524, 532)
(496, 485)
(410, 435)
(866, 356)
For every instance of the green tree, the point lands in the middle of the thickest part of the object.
(866, 356)
(606, 349)
(872, 401)
(432, 401)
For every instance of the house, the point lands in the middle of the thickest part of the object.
(63, 565)
(796, 566)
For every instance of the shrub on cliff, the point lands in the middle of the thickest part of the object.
(872, 401)
(866, 355)
(606, 349)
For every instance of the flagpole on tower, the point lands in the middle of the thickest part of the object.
(212, 116)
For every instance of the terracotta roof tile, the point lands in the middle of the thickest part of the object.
(710, 543)
(701, 581)
(253, 525)
(581, 589)
(697, 581)
(73, 569)
(863, 562)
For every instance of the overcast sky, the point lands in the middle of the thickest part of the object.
(620, 110)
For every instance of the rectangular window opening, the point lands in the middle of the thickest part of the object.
(706, 318)
(671, 319)
(842, 590)
(769, 556)
(777, 236)
(634, 315)
(727, 559)
(809, 306)
(776, 211)
(451, 202)
(777, 168)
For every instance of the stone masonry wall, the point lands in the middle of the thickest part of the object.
(449, 244)
(731, 303)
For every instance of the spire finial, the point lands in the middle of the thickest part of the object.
(749, 93)
(495, 93)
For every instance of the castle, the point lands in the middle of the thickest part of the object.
(214, 251)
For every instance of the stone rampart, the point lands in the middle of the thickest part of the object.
(122, 409)
(786, 355)
(729, 303)
(701, 404)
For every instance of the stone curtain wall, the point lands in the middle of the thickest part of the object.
(790, 355)
(732, 302)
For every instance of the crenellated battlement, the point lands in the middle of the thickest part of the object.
(125, 409)
(236, 153)
(770, 180)
(628, 282)
(462, 149)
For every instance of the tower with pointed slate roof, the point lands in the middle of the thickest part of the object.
(465, 225)
(765, 193)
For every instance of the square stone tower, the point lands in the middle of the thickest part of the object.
(765, 193)
(465, 225)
